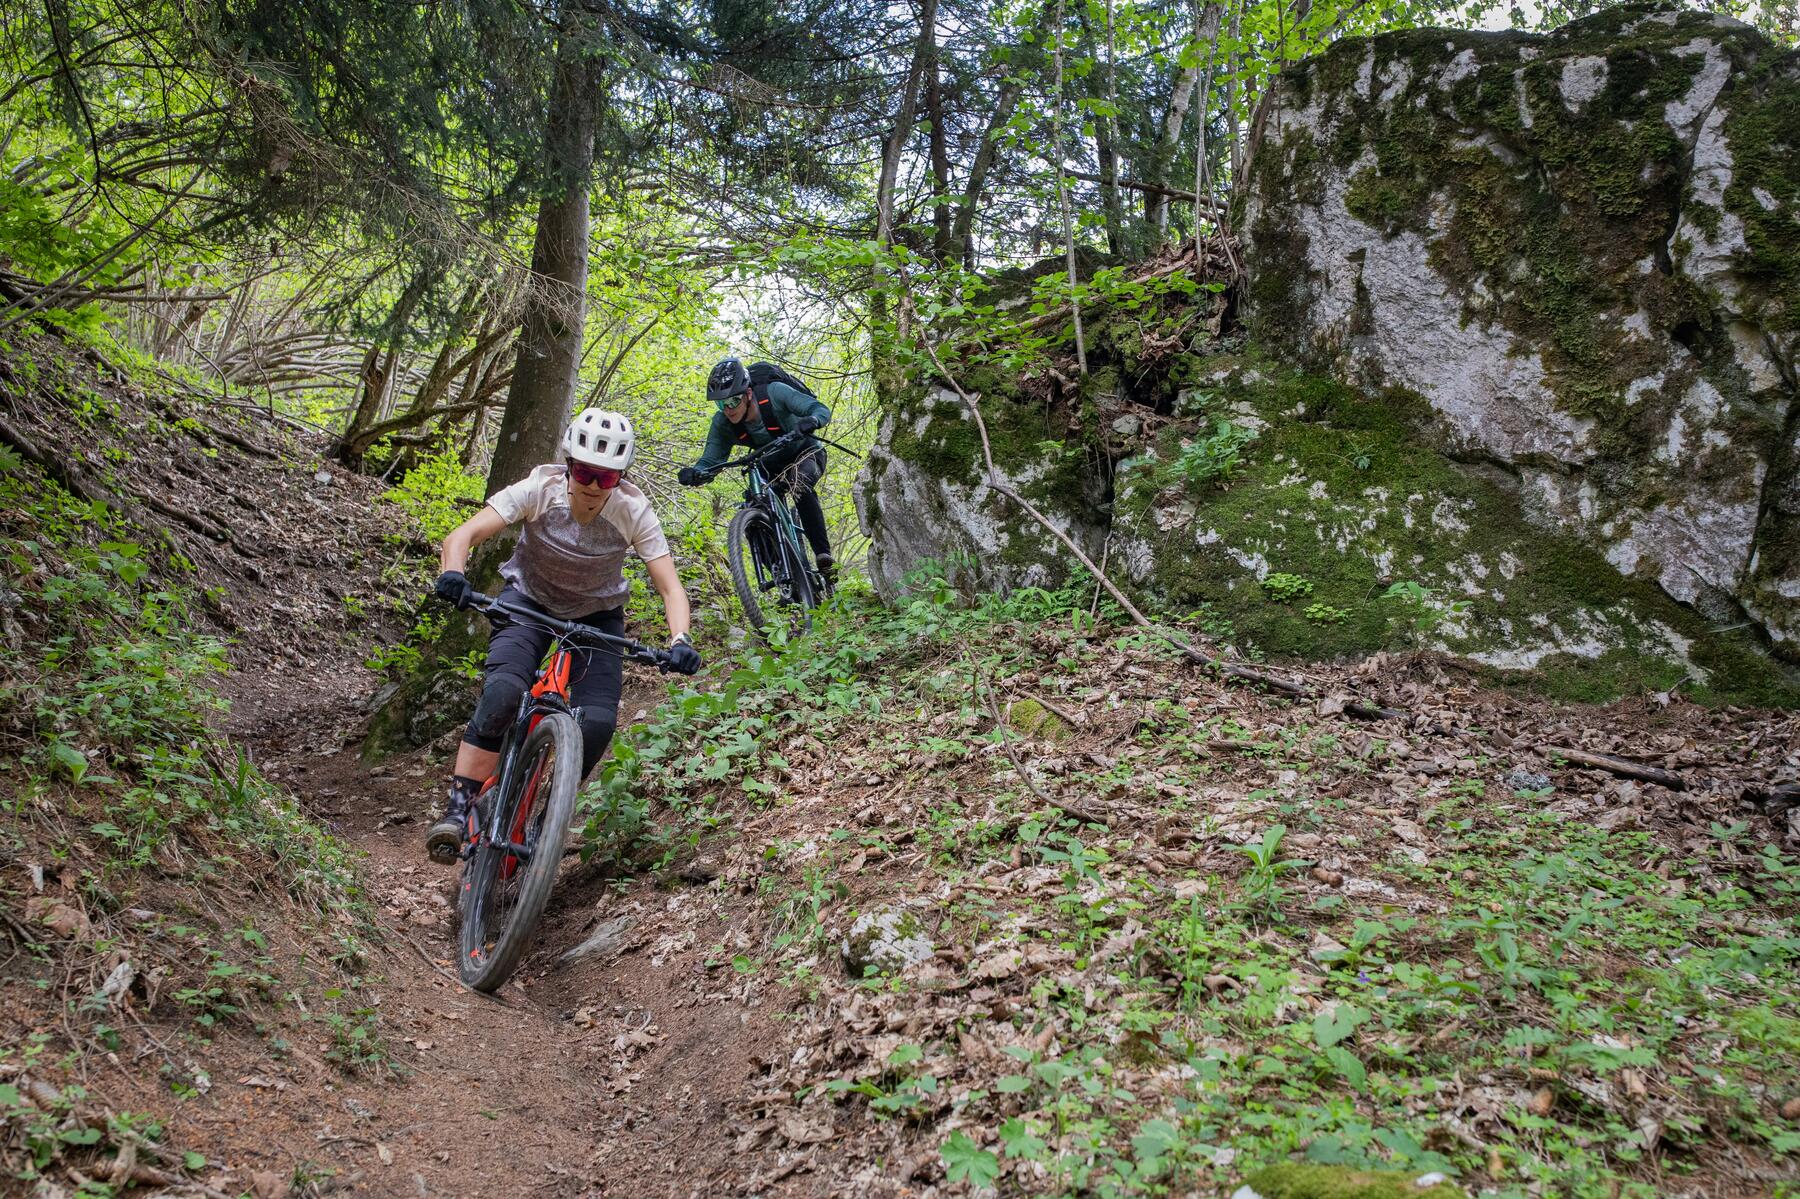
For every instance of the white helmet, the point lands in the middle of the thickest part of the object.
(600, 438)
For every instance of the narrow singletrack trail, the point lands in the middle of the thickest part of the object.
(618, 1073)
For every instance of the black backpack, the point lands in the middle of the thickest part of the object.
(761, 375)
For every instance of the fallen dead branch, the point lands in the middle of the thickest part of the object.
(1623, 767)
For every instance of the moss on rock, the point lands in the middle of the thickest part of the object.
(1301, 1180)
(1035, 720)
(1581, 249)
(1340, 489)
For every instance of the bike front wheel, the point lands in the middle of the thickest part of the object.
(769, 576)
(506, 882)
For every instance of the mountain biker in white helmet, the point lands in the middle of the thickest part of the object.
(577, 519)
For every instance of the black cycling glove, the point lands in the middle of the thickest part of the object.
(683, 658)
(453, 589)
(807, 424)
(693, 476)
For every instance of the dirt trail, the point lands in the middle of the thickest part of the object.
(616, 1075)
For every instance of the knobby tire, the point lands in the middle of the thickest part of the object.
(487, 955)
(755, 551)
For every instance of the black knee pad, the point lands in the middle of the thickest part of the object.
(498, 705)
(596, 735)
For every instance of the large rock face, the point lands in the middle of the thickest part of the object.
(924, 497)
(1583, 251)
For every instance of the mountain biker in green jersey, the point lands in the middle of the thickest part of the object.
(756, 405)
(577, 519)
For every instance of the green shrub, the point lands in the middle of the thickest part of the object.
(1284, 588)
(433, 494)
(1215, 457)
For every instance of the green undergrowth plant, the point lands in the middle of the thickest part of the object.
(437, 494)
(1213, 459)
(1176, 999)
(723, 735)
(147, 825)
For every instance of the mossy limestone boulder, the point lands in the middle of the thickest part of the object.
(1583, 251)
(1343, 532)
(1298, 1180)
(924, 495)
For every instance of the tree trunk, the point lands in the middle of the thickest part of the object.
(884, 188)
(940, 155)
(1062, 198)
(1203, 188)
(1206, 30)
(903, 124)
(1006, 102)
(448, 362)
(378, 371)
(555, 307)
(1105, 135)
(1232, 125)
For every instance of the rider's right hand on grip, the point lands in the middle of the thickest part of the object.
(693, 476)
(454, 589)
(682, 657)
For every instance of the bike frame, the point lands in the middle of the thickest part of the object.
(760, 491)
(550, 693)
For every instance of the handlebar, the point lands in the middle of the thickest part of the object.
(785, 441)
(501, 612)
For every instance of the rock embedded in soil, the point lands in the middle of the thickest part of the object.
(1304, 1181)
(1520, 779)
(608, 937)
(884, 941)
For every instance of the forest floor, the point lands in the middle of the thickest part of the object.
(1135, 930)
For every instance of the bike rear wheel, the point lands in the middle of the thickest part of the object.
(764, 568)
(504, 892)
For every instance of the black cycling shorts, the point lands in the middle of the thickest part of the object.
(516, 653)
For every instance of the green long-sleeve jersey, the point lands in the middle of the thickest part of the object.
(788, 405)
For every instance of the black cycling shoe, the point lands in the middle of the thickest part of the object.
(445, 839)
(827, 569)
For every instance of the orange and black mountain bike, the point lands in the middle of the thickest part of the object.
(518, 825)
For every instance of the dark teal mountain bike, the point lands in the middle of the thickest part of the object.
(772, 566)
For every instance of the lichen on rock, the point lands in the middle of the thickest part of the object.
(925, 496)
(1388, 544)
(884, 941)
(1581, 250)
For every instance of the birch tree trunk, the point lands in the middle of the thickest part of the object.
(1206, 33)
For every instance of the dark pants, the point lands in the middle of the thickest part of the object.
(800, 478)
(514, 656)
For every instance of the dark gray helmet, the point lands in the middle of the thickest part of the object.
(728, 381)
